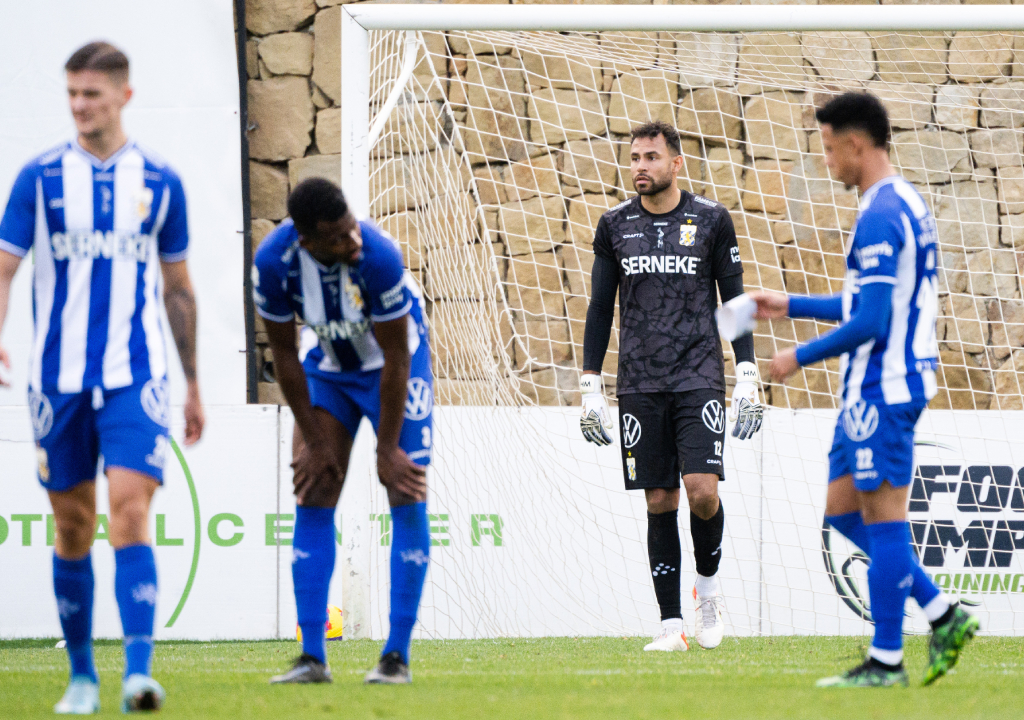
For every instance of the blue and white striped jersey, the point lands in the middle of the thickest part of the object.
(338, 304)
(893, 241)
(97, 229)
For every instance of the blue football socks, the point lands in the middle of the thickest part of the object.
(410, 552)
(852, 526)
(313, 552)
(135, 588)
(890, 578)
(73, 587)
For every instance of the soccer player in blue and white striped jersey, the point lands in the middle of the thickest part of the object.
(106, 223)
(363, 352)
(886, 341)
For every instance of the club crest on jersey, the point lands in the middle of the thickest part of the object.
(41, 412)
(631, 430)
(860, 421)
(687, 235)
(421, 399)
(355, 298)
(713, 416)
(145, 203)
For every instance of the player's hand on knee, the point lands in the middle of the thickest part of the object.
(315, 466)
(401, 475)
(746, 410)
(596, 420)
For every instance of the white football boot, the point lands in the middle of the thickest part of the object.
(141, 692)
(668, 641)
(81, 698)
(709, 627)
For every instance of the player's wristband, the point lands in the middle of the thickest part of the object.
(590, 384)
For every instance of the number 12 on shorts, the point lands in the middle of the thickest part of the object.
(865, 458)
(718, 448)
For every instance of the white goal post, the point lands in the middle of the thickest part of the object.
(951, 143)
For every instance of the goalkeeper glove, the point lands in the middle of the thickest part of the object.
(596, 421)
(746, 410)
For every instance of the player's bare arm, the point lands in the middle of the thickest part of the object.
(404, 479)
(180, 303)
(8, 266)
(317, 461)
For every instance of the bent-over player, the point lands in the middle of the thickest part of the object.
(363, 351)
(106, 222)
(887, 343)
(664, 251)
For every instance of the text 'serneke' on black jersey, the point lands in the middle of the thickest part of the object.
(668, 265)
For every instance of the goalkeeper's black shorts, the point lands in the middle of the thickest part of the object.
(668, 434)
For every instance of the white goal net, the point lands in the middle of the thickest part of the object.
(504, 149)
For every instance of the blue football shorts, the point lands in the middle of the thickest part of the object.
(127, 426)
(875, 443)
(351, 396)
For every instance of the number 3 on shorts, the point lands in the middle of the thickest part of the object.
(865, 459)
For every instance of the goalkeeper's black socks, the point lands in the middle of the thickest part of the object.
(665, 555)
(707, 541)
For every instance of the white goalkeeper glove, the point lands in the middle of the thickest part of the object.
(596, 421)
(746, 409)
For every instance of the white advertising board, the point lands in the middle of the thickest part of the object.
(535, 543)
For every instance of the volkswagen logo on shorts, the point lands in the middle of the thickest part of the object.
(713, 416)
(41, 411)
(421, 399)
(630, 430)
(155, 401)
(860, 421)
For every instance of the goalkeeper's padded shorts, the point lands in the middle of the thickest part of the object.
(875, 443)
(665, 434)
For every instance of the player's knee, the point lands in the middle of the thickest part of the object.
(703, 502)
(661, 500)
(74, 528)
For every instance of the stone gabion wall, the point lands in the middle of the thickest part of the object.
(957, 105)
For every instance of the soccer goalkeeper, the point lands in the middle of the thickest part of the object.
(664, 251)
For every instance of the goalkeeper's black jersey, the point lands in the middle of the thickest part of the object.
(668, 264)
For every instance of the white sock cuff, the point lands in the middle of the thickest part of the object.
(674, 625)
(706, 586)
(889, 657)
(936, 607)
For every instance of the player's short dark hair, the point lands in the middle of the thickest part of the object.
(857, 111)
(653, 129)
(100, 56)
(315, 199)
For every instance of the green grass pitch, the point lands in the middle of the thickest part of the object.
(535, 679)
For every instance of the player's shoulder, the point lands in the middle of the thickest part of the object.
(702, 207)
(157, 168)
(48, 159)
(379, 247)
(279, 248)
(891, 198)
(623, 211)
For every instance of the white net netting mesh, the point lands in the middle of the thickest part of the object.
(492, 172)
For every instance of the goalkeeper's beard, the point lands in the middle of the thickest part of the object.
(656, 186)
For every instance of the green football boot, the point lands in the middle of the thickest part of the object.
(946, 643)
(867, 674)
